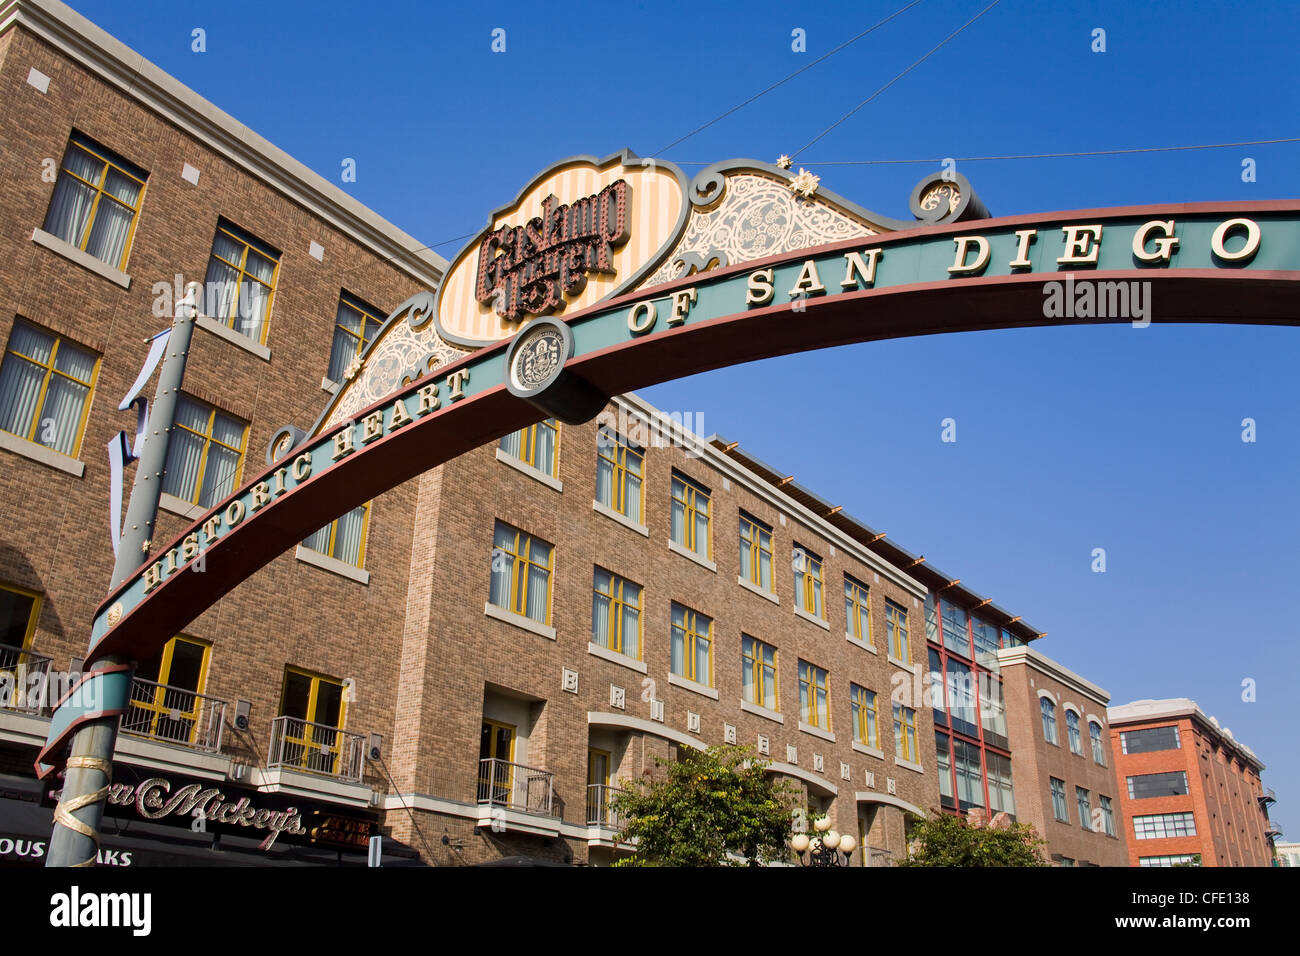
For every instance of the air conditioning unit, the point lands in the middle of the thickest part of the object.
(242, 709)
(375, 749)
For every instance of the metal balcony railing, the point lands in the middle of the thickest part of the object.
(515, 787)
(23, 678)
(298, 744)
(176, 715)
(1268, 796)
(599, 811)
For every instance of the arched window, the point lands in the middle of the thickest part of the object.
(1049, 720)
(1072, 728)
(1098, 749)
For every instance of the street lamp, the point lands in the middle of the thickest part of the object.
(826, 847)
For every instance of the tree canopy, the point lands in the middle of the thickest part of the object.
(948, 840)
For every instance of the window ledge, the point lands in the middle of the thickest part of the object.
(518, 620)
(550, 481)
(857, 641)
(622, 519)
(329, 385)
(749, 585)
(897, 663)
(811, 618)
(83, 259)
(234, 338)
(595, 650)
(869, 751)
(39, 453)
(908, 765)
(327, 563)
(816, 731)
(676, 548)
(761, 711)
(694, 687)
(179, 506)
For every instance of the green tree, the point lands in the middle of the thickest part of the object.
(715, 807)
(948, 840)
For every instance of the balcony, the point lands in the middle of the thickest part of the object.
(23, 679)
(1268, 796)
(302, 746)
(599, 811)
(175, 715)
(513, 786)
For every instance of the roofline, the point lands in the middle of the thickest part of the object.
(1146, 711)
(1035, 658)
(111, 60)
(891, 552)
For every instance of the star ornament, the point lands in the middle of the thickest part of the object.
(144, 545)
(351, 371)
(805, 184)
(784, 161)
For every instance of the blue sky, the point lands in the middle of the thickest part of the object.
(1069, 439)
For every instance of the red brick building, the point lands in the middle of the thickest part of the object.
(1190, 792)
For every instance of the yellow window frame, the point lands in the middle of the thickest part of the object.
(333, 537)
(591, 766)
(486, 782)
(209, 441)
(520, 561)
(622, 452)
(248, 241)
(905, 743)
(110, 160)
(50, 371)
(857, 605)
(691, 496)
(29, 634)
(900, 645)
(690, 640)
(806, 578)
(308, 741)
(751, 653)
(617, 601)
(157, 705)
(528, 446)
(812, 679)
(754, 545)
(866, 719)
(368, 314)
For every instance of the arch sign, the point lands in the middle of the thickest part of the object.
(605, 276)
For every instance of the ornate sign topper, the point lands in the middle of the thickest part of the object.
(583, 230)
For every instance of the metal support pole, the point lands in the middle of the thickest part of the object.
(77, 818)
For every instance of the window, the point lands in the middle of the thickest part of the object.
(343, 538)
(814, 704)
(1002, 795)
(96, 201)
(956, 636)
(689, 523)
(619, 470)
(936, 694)
(857, 610)
(692, 641)
(1182, 859)
(758, 673)
(521, 573)
(165, 699)
(1107, 816)
(1048, 710)
(970, 781)
(1098, 747)
(865, 729)
(1084, 801)
(961, 698)
(1158, 826)
(905, 734)
(496, 753)
(1059, 807)
(1147, 785)
(241, 281)
(355, 326)
(755, 552)
(896, 632)
(1149, 740)
(616, 614)
(808, 581)
(993, 711)
(986, 637)
(205, 454)
(1072, 729)
(943, 759)
(314, 707)
(535, 446)
(45, 388)
(19, 611)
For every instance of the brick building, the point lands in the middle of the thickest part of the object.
(611, 598)
(1189, 791)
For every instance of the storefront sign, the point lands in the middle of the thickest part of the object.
(154, 800)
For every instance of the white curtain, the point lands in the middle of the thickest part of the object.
(319, 541)
(343, 351)
(503, 545)
(510, 444)
(544, 458)
(20, 380)
(676, 522)
(347, 540)
(73, 199)
(702, 526)
(185, 450)
(538, 578)
(633, 486)
(112, 225)
(631, 620)
(677, 650)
